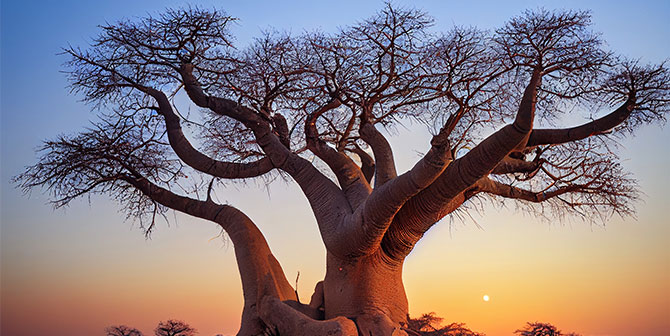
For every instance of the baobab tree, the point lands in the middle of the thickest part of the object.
(122, 330)
(174, 328)
(429, 325)
(313, 109)
(541, 329)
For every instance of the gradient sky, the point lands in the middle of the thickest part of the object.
(78, 270)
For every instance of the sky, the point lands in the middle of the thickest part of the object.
(77, 270)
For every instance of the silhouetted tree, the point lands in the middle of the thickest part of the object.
(430, 325)
(313, 107)
(174, 328)
(541, 329)
(122, 330)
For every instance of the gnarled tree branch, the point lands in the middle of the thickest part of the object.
(377, 213)
(349, 175)
(254, 258)
(599, 126)
(328, 202)
(450, 189)
(385, 169)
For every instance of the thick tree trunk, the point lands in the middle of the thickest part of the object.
(368, 290)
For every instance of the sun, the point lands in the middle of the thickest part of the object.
(486, 298)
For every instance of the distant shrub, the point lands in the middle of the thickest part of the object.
(542, 329)
(430, 325)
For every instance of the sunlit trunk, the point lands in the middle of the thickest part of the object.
(368, 290)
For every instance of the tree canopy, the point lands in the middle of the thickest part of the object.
(319, 93)
(174, 328)
(541, 329)
(122, 330)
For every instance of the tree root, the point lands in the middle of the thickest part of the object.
(290, 317)
(288, 321)
(378, 324)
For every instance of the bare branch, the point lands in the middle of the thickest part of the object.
(599, 126)
(643, 93)
(349, 175)
(450, 189)
(510, 165)
(324, 196)
(367, 162)
(385, 169)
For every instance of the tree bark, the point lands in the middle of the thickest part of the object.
(368, 290)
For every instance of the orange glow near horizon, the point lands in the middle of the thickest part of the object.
(445, 274)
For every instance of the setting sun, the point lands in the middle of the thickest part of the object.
(486, 298)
